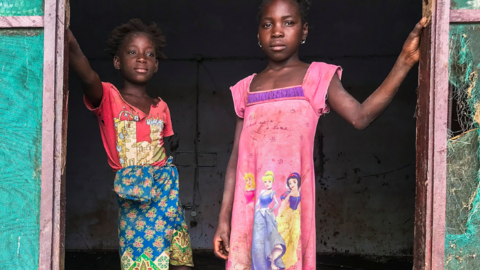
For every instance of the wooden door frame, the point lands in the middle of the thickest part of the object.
(54, 139)
(432, 125)
(54, 126)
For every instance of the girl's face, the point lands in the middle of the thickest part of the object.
(136, 58)
(281, 30)
(293, 184)
(268, 184)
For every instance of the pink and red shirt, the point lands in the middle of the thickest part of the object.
(130, 136)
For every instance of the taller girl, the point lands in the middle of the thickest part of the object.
(278, 110)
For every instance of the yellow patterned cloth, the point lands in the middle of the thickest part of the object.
(153, 234)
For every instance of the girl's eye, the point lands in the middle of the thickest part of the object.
(267, 25)
(289, 23)
(131, 52)
(150, 54)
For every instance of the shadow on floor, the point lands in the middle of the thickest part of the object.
(205, 260)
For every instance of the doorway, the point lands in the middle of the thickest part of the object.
(365, 179)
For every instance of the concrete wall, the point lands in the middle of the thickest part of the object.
(365, 179)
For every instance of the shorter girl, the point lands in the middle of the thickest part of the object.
(151, 227)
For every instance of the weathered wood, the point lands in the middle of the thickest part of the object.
(48, 135)
(432, 123)
(465, 16)
(52, 213)
(428, 6)
(61, 117)
(422, 239)
(440, 131)
(21, 22)
(67, 14)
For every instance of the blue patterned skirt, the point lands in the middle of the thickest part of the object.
(151, 226)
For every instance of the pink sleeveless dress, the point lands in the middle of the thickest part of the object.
(276, 229)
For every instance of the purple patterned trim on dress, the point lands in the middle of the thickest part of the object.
(276, 94)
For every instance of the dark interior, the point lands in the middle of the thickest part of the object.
(365, 180)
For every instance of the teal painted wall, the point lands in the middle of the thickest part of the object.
(21, 7)
(465, 4)
(21, 90)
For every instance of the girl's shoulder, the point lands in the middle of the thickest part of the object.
(316, 84)
(110, 93)
(110, 89)
(243, 85)
(240, 94)
(316, 69)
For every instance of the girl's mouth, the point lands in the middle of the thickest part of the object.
(141, 70)
(278, 48)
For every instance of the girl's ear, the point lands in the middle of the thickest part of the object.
(116, 62)
(305, 31)
(156, 66)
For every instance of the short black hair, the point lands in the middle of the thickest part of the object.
(303, 7)
(118, 35)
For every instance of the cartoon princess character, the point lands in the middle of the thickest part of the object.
(289, 219)
(249, 187)
(268, 245)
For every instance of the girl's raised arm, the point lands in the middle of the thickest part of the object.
(361, 115)
(221, 240)
(91, 83)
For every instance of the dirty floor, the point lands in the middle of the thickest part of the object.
(207, 261)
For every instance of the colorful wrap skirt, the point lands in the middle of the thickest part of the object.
(151, 227)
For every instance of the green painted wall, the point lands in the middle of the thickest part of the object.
(21, 85)
(465, 4)
(21, 7)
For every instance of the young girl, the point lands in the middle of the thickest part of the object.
(152, 230)
(278, 110)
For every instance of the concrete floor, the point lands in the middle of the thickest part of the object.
(207, 261)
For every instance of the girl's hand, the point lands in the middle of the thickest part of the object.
(221, 241)
(71, 37)
(411, 49)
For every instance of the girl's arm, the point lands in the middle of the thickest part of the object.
(91, 83)
(221, 240)
(361, 115)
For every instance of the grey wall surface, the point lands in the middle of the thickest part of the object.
(365, 179)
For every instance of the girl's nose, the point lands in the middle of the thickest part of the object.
(141, 59)
(277, 31)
